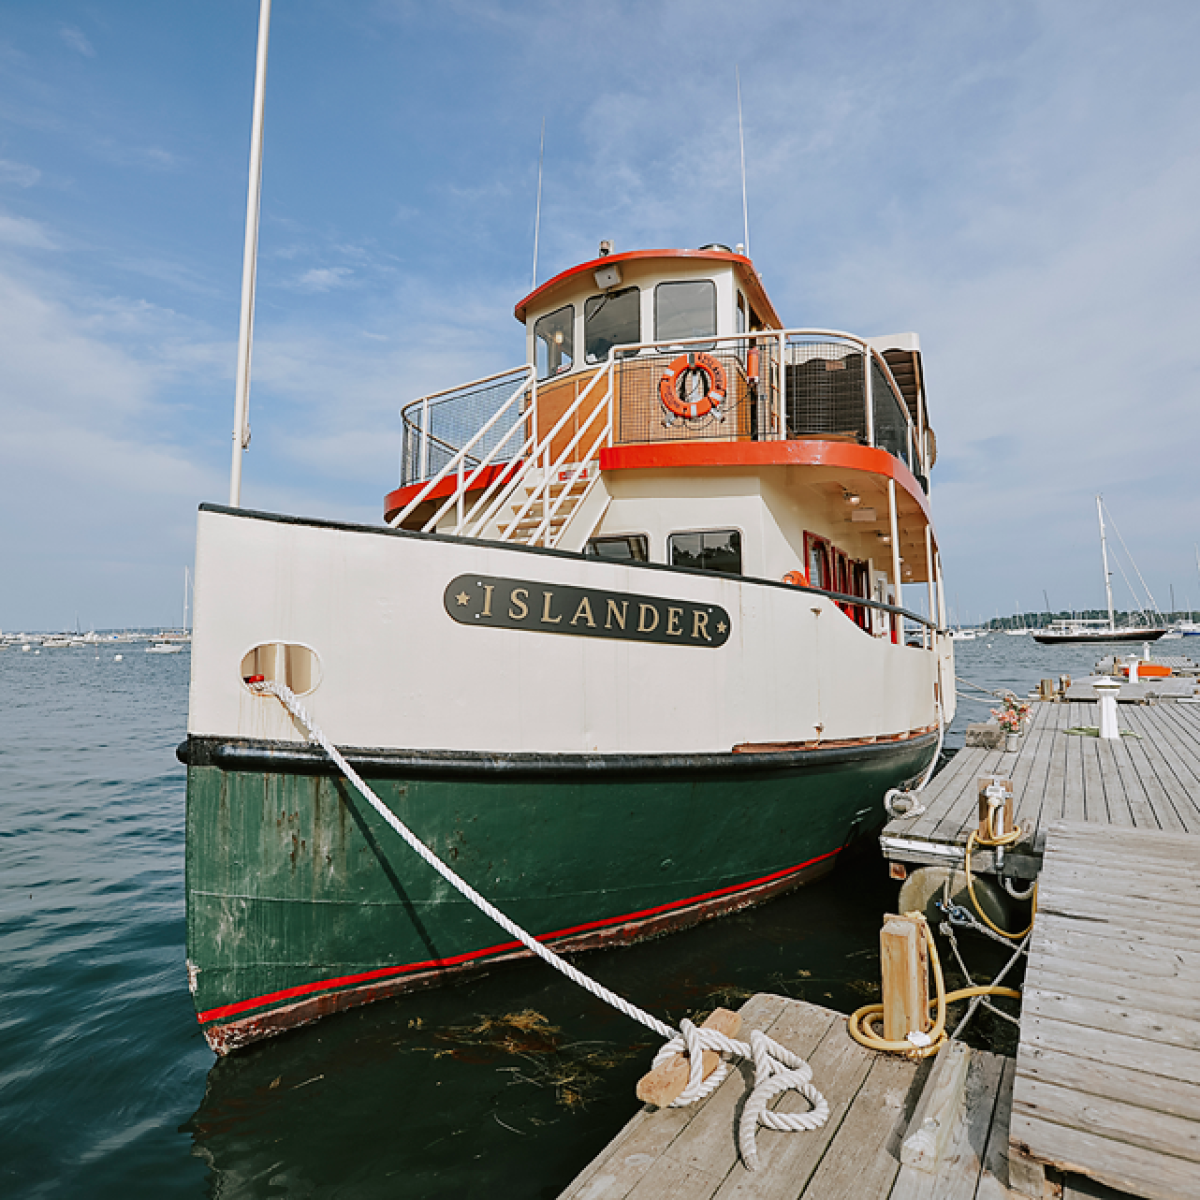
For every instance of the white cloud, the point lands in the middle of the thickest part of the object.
(21, 231)
(76, 39)
(323, 279)
(21, 174)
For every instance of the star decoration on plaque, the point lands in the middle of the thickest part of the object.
(721, 627)
(463, 598)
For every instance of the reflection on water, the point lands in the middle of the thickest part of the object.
(513, 1081)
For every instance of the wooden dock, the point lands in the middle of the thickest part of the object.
(691, 1153)
(1105, 1089)
(1108, 1067)
(1147, 781)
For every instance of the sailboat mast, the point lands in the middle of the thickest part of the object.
(1112, 623)
(241, 415)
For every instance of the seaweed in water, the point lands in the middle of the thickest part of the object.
(574, 1070)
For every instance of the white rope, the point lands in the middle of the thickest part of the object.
(776, 1068)
(902, 802)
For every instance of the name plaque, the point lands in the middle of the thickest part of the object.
(584, 612)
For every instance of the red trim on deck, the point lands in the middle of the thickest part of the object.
(393, 502)
(759, 300)
(307, 989)
(798, 452)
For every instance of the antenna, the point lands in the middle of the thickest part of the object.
(241, 411)
(742, 143)
(537, 220)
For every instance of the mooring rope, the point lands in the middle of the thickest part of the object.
(776, 1068)
(894, 797)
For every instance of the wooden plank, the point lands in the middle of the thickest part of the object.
(1150, 771)
(1110, 1117)
(1095, 789)
(993, 1180)
(864, 1157)
(1111, 757)
(1115, 911)
(1129, 1168)
(840, 1066)
(1176, 1097)
(1073, 806)
(1093, 1017)
(627, 1159)
(1117, 1049)
(1141, 948)
(1076, 977)
(711, 1142)
(958, 1178)
(1124, 877)
(1178, 764)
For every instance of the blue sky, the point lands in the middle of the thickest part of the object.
(1018, 182)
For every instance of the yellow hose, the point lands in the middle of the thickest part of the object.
(992, 839)
(861, 1023)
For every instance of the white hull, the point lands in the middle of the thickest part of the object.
(394, 670)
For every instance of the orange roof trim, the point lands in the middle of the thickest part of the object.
(759, 300)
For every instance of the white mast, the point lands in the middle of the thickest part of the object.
(742, 146)
(1112, 624)
(241, 413)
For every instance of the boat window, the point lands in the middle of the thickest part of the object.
(711, 550)
(685, 309)
(554, 339)
(613, 319)
(631, 548)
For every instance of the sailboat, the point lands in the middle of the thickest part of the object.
(1098, 630)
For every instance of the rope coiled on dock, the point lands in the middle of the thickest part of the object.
(776, 1068)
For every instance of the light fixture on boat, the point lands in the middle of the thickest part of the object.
(610, 276)
(863, 515)
(852, 498)
(885, 538)
(606, 248)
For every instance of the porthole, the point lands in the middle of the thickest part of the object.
(296, 666)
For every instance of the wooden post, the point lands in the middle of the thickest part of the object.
(983, 783)
(1046, 689)
(939, 1111)
(903, 957)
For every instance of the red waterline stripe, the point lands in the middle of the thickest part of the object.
(305, 989)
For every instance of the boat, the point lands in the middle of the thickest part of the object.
(1097, 629)
(165, 648)
(628, 649)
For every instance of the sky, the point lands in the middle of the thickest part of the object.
(1017, 181)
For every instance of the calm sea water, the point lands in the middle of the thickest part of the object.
(512, 1082)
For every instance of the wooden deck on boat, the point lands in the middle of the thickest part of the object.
(691, 1153)
(1108, 1067)
(1150, 781)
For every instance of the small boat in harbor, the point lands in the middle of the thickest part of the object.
(628, 650)
(1098, 629)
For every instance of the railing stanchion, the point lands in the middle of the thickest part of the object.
(868, 395)
(424, 439)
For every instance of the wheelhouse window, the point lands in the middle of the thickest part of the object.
(554, 341)
(685, 309)
(613, 319)
(710, 550)
(630, 548)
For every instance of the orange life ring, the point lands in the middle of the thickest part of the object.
(668, 386)
(796, 579)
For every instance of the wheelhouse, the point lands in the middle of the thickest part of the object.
(666, 414)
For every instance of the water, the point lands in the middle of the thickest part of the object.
(514, 1081)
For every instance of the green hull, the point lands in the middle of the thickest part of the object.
(301, 901)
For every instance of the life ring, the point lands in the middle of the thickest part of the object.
(668, 386)
(796, 579)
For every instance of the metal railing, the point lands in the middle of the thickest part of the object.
(778, 385)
